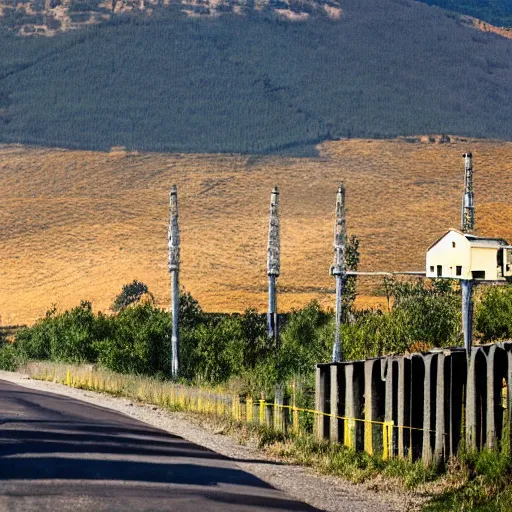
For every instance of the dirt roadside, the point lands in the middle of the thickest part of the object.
(324, 492)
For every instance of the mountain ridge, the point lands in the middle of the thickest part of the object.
(51, 17)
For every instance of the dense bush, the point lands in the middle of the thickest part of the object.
(214, 348)
(493, 319)
(10, 358)
(219, 350)
(374, 334)
(305, 341)
(431, 311)
(69, 336)
(140, 341)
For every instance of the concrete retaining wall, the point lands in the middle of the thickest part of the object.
(434, 400)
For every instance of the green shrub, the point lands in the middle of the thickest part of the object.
(219, 350)
(375, 334)
(256, 344)
(216, 348)
(305, 341)
(69, 336)
(10, 358)
(34, 342)
(190, 311)
(493, 319)
(432, 311)
(139, 341)
(74, 335)
(62, 337)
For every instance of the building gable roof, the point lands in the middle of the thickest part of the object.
(476, 241)
(441, 237)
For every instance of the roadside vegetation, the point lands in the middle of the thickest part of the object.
(232, 354)
(233, 350)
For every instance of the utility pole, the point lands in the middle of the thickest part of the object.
(467, 221)
(173, 239)
(273, 266)
(338, 268)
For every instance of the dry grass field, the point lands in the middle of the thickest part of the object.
(78, 225)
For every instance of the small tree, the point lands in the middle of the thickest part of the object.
(130, 293)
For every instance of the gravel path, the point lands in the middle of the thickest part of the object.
(324, 492)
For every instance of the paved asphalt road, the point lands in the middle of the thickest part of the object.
(60, 454)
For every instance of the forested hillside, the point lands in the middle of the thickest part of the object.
(256, 82)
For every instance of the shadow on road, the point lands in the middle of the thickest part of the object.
(54, 446)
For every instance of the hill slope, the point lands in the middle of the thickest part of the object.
(78, 225)
(256, 83)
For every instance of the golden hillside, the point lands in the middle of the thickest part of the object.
(78, 225)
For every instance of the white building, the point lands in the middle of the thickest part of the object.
(459, 255)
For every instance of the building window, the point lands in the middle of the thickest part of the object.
(458, 271)
(439, 270)
(453, 245)
(432, 268)
(478, 274)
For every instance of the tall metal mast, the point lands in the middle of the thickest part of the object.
(273, 265)
(173, 238)
(467, 224)
(467, 221)
(338, 269)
